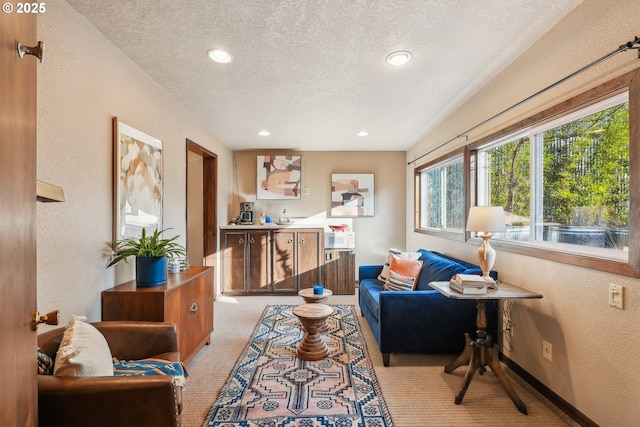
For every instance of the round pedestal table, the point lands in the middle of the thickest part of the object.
(313, 318)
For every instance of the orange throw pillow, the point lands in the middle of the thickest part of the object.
(406, 267)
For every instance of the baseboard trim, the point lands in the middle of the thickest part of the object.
(562, 404)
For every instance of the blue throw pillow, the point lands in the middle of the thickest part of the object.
(436, 269)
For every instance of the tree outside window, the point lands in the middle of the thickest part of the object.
(579, 170)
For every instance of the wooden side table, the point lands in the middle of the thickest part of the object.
(481, 352)
(310, 298)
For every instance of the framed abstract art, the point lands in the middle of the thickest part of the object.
(278, 177)
(138, 181)
(352, 194)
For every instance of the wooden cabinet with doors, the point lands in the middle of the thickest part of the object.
(257, 261)
(186, 300)
(284, 244)
(310, 266)
(297, 259)
(246, 261)
(281, 260)
(233, 260)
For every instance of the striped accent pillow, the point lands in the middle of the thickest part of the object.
(397, 282)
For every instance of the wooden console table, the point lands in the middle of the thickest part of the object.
(186, 300)
(481, 352)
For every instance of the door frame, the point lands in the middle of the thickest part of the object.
(209, 199)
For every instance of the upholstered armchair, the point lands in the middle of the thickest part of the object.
(110, 401)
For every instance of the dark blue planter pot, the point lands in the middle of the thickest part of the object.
(151, 271)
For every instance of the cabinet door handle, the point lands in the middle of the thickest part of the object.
(194, 308)
(241, 240)
(301, 240)
(252, 240)
(290, 241)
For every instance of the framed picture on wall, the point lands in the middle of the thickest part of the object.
(352, 194)
(278, 177)
(137, 181)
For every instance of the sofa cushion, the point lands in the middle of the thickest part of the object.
(471, 268)
(436, 268)
(397, 282)
(83, 351)
(369, 291)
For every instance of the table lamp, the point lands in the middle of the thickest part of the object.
(484, 220)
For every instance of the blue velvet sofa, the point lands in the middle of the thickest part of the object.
(422, 320)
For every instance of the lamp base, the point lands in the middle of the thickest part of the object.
(486, 257)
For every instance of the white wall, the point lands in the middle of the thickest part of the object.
(374, 235)
(83, 82)
(595, 346)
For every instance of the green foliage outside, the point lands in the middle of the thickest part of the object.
(585, 173)
(510, 177)
(586, 170)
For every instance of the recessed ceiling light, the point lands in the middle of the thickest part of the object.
(219, 55)
(399, 58)
(363, 133)
(263, 133)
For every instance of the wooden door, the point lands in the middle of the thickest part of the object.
(284, 261)
(18, 405)
(310, 257)
(257, 261)
(233, 260)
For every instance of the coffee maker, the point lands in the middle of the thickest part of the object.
(246, 213)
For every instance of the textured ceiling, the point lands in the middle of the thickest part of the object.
(312, 72)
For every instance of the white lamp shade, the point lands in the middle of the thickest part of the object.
(487, 219)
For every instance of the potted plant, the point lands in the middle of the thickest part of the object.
(151, 252)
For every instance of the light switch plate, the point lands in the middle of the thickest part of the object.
(616, 295)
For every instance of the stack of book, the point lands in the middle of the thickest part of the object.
(468, 284)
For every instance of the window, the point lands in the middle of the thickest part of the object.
(564, 184)
(563, 176)
(440, 202)
(504, 180)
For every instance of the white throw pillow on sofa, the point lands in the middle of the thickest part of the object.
(83, 352)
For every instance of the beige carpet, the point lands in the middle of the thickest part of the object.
(416, 389)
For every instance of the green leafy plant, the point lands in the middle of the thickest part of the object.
(146, 246)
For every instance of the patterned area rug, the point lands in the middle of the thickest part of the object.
(271, 387)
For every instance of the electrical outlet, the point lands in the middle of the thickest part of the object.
(616, 295)
(509, 328)
(546, 350)
(306, 191)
